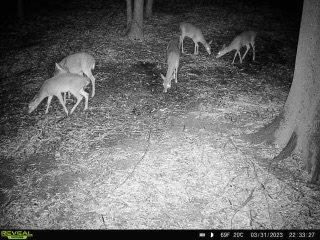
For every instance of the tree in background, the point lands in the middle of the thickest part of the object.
(297, 128)
(136, 27)
(129, 14)
(135, 23)
(149, 8)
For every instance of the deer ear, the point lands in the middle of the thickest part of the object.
(58, 67)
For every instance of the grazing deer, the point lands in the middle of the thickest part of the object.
(193, 32)
(173, 57)
(243, 39)
(62, 83)
(78, 63)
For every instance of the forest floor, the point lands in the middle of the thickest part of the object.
(139, 158)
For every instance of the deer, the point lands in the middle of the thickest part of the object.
(61, 83)
(193, 32)
(246, 39)
(78, 63)
(173, 57)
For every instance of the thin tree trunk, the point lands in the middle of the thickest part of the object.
(149, 8)
(136, 30)
(301, 115)
(129, 14)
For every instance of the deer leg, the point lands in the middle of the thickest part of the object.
(79, 98)
(86, 97)
(61, 101)
(165, 87)
(235, 56)
(176, 71)
(93, 82)
(181, 43)
(254, 51)
(239, 53)
(64, 98)
(48, 104)
(248, 47)
(196, 48)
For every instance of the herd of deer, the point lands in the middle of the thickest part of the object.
(68, 76)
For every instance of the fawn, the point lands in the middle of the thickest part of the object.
(246, 38)
(193, 32)
(61, 83)
(173, 57)
(78, 63)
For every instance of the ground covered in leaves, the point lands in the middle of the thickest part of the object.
(139, 158)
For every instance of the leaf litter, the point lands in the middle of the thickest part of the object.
(139, 158)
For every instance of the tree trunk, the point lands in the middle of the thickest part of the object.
(301, 115)
(20, 12)
(149, 8)
(129, 14)
(136, 30)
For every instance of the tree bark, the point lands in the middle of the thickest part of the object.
(129, 14)
(301, 114)
(136, 29)
(149, 8)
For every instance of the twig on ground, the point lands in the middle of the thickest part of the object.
(242, 205)
(136, 165)
(260, 183)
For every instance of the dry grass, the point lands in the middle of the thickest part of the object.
(139, 158)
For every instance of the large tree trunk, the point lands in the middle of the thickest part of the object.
(149, 8)
(136, 30)
(297, 128)
(129, 14)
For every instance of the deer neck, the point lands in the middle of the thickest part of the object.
(170, 72)
(226, 50)
(204, 42)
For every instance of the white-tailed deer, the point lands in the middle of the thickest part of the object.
(193, 32)
(173, 57)
(243, 39)
(78, 63)
(62, 83)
